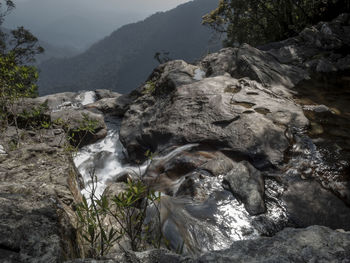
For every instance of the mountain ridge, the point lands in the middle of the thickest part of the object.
(123, 60)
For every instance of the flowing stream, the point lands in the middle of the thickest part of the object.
(217, 218)
(211, 223)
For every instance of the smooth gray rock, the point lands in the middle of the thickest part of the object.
(247, 184)
(221, 62)
(236, 115)
(170, 75)
(307, 203)
(249, 62)
(105, 93)
(313, 244)
(55, 101)
(116, 105)
(265, 69)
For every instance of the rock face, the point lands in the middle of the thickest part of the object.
(39, 185)
(290, 245)
(240, 116)
(325, 209)
(38, 188)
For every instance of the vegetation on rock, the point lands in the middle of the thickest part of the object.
(257, 22)
(104, 220)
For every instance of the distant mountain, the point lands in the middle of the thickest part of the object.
(78, 23)
(123, 60)
(82, 31)
(52, 51)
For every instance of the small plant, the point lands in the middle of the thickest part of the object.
(100, 236)
(125, 213)
(87, 126)
(129, 209)
(34, 117)
(46, 125)
(150, 88)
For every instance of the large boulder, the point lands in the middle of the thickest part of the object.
(240, 116)
(320, 48)
(290, 245)
(307, 203)
(249, 62)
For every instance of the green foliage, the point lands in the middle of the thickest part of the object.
(87, 126)
(17, 80)
(103, 222)
(258, 22)
(129, 209)
(149, 88)
(100, 236)
(150, 155)
(20, 43)
(34, 117)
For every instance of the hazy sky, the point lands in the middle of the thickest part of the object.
(79, 23)
(143, 6)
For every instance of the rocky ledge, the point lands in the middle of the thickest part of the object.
(313, 244)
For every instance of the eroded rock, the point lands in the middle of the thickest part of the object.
(38, 189)
(247, 184)
(211, 113)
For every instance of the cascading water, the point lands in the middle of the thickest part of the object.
(103, 158)
(323, 151)
(211, 223)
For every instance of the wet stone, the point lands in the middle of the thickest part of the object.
(247, 184)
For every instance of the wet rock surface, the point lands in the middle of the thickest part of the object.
(308, 203)
(245, 108)
(247, 184)
(290, 245)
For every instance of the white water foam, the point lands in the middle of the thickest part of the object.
(198, 74)
(212, 222)
(86, 97)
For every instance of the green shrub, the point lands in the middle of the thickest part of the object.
(125, 214)
(149, 88)
(260, 21)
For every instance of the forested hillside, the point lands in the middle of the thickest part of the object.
(123, 60)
